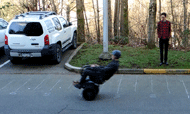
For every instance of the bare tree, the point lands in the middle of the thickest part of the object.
(173, 26)
(53, 6)
(98, 19)
(95, 19)
(152, 24)
(109, 21)
(68, 12)
(88, 31)
(124, 19)
(160, 9)
(116, 17)
(43, 3)
(185, 22)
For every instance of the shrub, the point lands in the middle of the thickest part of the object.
(120, 40)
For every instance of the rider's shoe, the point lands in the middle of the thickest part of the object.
(79, 86)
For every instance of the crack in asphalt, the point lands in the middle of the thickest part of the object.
(63, 109)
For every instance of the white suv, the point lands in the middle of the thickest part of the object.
(3, 27)
(39, 34)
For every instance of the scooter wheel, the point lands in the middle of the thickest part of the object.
(89, 94)
(97, 89)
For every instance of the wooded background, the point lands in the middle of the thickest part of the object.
(131, 22)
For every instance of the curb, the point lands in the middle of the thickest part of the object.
(127, 71)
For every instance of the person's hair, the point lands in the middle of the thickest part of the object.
(164, 14)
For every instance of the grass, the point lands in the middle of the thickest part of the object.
(132, 58)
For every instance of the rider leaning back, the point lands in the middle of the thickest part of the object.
(99, 74)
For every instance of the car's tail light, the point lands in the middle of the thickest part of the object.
(46, 40)
(6, 40)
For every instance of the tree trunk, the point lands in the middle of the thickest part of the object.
(185, 23)
(98, 19)
(173, 26)
(95, 19)
(110, 35)
(118, 15)
(124, 19)
(61, 7)
(68, 13)
(53, 6)
(43, 3)
(80, 21)
(160, 9)
(88, 31)
(188, 19)
(152, 24)
(115, 17)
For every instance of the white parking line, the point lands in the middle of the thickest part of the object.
(6, 85)
(39, 84)
(151, 84)
(13, 93)
(4, 63)
(185, 88)
(117, 95)
(47, 94)
(167, 85)
(55, 84)
(136, 84)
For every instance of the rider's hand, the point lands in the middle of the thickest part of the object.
(94, 65)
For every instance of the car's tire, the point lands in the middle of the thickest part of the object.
(74, 41)
(15, 60)
(57, 57)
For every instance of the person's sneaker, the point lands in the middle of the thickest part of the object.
(161, 64)
(166, 63)
(79, 86)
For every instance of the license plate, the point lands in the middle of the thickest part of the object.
(25, 54)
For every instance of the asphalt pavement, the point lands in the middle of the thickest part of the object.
(37, 87)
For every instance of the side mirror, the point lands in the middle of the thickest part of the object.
(70, 23)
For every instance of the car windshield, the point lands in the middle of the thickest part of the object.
(25, 28)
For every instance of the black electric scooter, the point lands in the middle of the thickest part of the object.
(91, 89)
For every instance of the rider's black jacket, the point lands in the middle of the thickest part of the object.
(106, 72)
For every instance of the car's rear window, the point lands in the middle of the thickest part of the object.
(26, 28)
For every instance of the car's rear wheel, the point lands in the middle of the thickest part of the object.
(58, 54)
(15, 60)
(74, 41)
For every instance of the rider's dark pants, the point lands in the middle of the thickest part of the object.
(93, 75)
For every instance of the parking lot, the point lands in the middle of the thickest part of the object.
(37, 87)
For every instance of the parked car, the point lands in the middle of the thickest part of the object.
(3, 27)
(39, 34)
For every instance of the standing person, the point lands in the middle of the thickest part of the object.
(100, 73)
(164, 34)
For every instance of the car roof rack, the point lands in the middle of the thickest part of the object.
(42, 14)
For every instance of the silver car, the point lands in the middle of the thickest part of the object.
(3, 27)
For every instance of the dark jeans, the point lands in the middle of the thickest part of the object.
(94, 76)
(165, 43)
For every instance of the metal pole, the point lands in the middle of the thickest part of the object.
(105, 25)
(105, 54)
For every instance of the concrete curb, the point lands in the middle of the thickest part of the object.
(127, 71)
